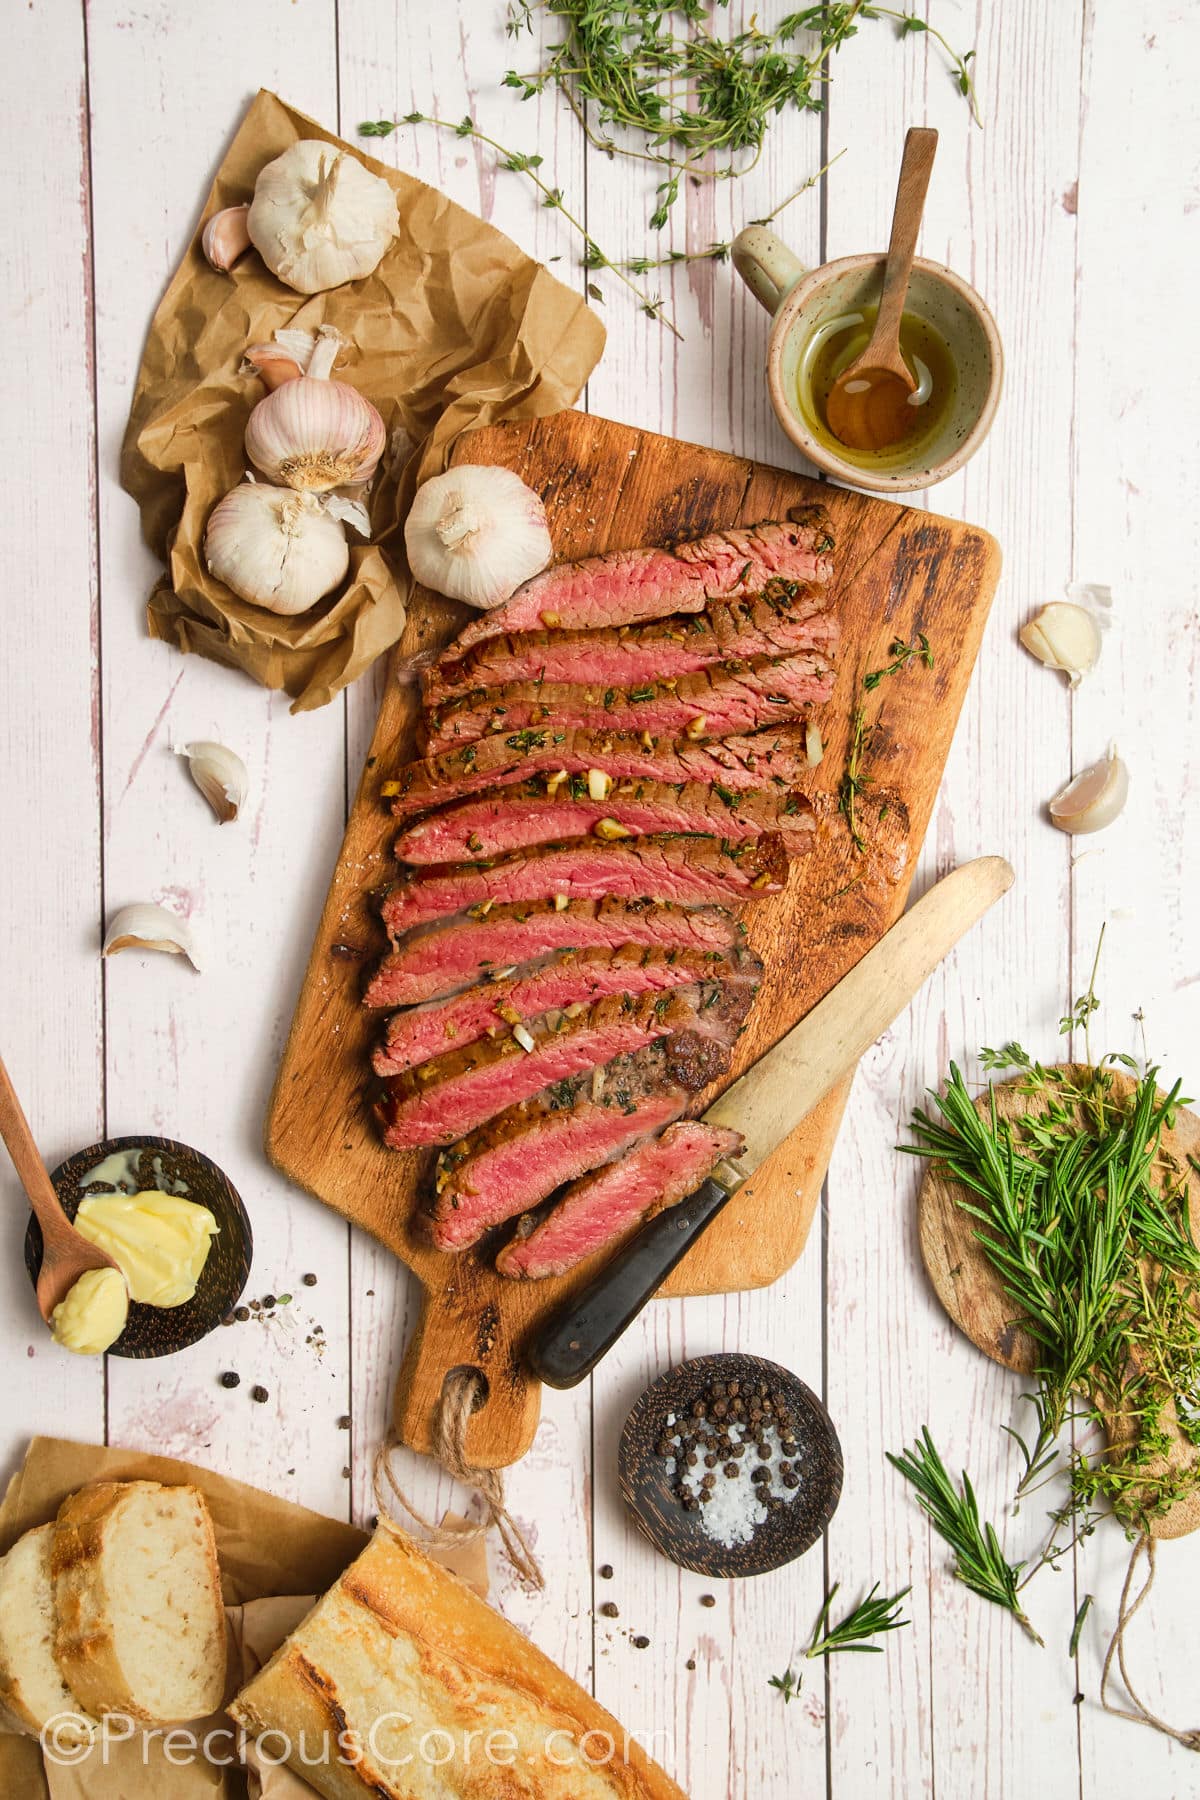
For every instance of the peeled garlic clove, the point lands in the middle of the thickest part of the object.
(319, 218)
(145, 926)
(277, 549)
(315, 434)
(476, 533)
(220, 774)
(1064, 637)
(226, 237)
(1092, 799)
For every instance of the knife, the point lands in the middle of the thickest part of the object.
(765, 1105)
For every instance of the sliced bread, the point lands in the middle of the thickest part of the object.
(402, 1685)
(32, 1689)
(141, 1626)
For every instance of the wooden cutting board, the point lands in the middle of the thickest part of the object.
(899, 571)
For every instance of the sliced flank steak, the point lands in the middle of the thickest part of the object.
(441, 1100)
(570, 982)
(787, 617)
(599, 1210)
(729, 698)
(518, 1159)
(686, 871)
(778, 758)
(431, 964)
(516, 817)
(625, 587)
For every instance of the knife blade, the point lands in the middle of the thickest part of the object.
(765, 1105)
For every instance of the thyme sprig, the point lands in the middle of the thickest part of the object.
(855, 779)
(902, 654)
(870, 1618)
(518, 162)
(700, 103)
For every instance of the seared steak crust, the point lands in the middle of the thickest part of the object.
(686, 871)
(730, 697)
(777, 757)
(786, 617)
(626, 586)
(516, 817)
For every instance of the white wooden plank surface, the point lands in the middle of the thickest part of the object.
(1090, 473)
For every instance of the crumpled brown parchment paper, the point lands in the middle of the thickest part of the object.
(456, 328)
(275, 1558)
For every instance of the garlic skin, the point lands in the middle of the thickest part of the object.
(1065, 637)
(315, 434)
(276, 548)
(220, 774)
(476, 533)
(145, 926)
(318, 218)
(1091, 800)
(226, 237)
(272, 364)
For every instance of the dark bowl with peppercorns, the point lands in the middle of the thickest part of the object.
(731, 1465)
(162, 1162)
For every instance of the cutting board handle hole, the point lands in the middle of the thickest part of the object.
(480, 1386)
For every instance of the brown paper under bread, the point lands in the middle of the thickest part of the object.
(400, 1684)
(456, 328)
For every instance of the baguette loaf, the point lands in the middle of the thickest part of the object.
(32, 1690)
(141, 1626)
(402, 1685)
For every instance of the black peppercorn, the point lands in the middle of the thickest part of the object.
(309, 1280)
(611, 1610)
(241, 1314)
(708, 1599)
(260, 1394)
(641, 1643)
(230, 1380)
(605, 1571)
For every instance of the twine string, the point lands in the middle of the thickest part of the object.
(1125, 1615)
(462, 1390)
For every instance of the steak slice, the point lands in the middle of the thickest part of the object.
(598, 1211)
(686, 871)
(571, 981)
(626, 586)
(742, 762)
(450, 1095)
(786, 617)
(452, 956)
(516, 817)
(520, 1157)
(731, 697)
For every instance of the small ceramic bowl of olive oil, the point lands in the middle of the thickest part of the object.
(823, 319)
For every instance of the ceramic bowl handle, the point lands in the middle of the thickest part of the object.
(766, 265)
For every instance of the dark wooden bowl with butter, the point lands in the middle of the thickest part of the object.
(131, 1164)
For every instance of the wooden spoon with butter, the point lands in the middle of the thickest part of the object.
(67, 1254)
(868, 406)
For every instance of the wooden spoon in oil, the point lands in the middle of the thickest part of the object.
(868, 406)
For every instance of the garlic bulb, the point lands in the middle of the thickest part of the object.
(226, 237)
(144, 926)
(275, 548)
(476, 533)
(1065, 637)
(318, 218)
(220, 774)
(314, 434)
(1092, 799)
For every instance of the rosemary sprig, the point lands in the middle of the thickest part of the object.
(979, 1561)
(701, 104)
(517, 162)
(869, 1618)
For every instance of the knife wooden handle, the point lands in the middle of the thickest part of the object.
(573, 1342)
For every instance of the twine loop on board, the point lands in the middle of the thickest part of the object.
(462, 1391)
(1126, 1613)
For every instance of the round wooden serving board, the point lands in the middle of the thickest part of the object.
(969, 1288)
(898, 571)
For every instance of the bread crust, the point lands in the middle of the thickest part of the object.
(17, 1713)
(469, 1661)
(84, 1646)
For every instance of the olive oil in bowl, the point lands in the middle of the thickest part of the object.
(835, 344)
